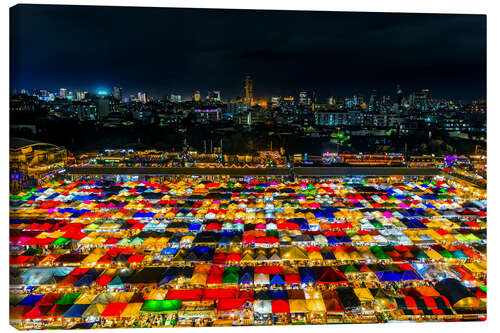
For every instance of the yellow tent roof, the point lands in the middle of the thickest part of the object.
(156, 294)
(132, 310)
(433, 254)
(85, 299)
(311, 293)
(123, 297)
(315, 255)
(94, 310)
(364, 294)
(91, 259)
(293, 253)
(314, 305)
(298, 306)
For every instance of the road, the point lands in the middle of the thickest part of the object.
(304, 171)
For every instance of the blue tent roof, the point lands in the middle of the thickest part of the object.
(246, 278)
(194, 227)
(31, 300)
(278, 294)
(76, 311)
(306, 275)
(86, 280)
(411, 276)
(344, 239)
(319, 214)
(332, 240)
(328, 255)
(388, 276)
(459, 254)
(169, 251)
(277, 279)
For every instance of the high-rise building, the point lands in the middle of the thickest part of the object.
(399, 95)
(302, 98)
(275, 101)
(358, 99)
(80, 95)
(373, 103)
(63, 92)
(213, 96)
(103, 107)
(248, 90)
(175, 98)
(141, 96)
(117, 93)
(197, 96)
(421, 101)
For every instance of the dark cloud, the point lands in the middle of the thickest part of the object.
(164, 50)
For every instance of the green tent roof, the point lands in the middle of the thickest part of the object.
(446, 254)
(231, 274)
(68, 298)
(61, 241)
(116, 282)
(379, 253)
(348, 269)
(92, 226)
(137, 241)
(161, 306)
(420, 254)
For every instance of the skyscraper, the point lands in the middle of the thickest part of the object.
(117, 93)
(63, 92)
(213, 96)
(142, 97)
(103, 107)
(373, 103)
(80, 95)
(302, 98)
(197, 96)
(399, 94)
(248, 90)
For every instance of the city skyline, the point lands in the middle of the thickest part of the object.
(205, 95)
(334, 53)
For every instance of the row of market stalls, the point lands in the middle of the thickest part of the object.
(449, 299)
(43, 279)
(137, 254)
(119, 257)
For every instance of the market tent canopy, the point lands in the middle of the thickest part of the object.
(298, 306)
(163, 306)
(132, 310)
(113, 309)
(76, 311)
(262, 306)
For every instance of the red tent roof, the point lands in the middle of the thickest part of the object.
(230, 304)
(280, 306)
(114, 309)
(215, 275)
(292, 278)
(185, 294)
(268, 270)
(217, 294)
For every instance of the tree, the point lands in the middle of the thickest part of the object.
(339, 138)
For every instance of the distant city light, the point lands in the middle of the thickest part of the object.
(102, 92)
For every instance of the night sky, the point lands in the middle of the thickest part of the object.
(168, 50)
